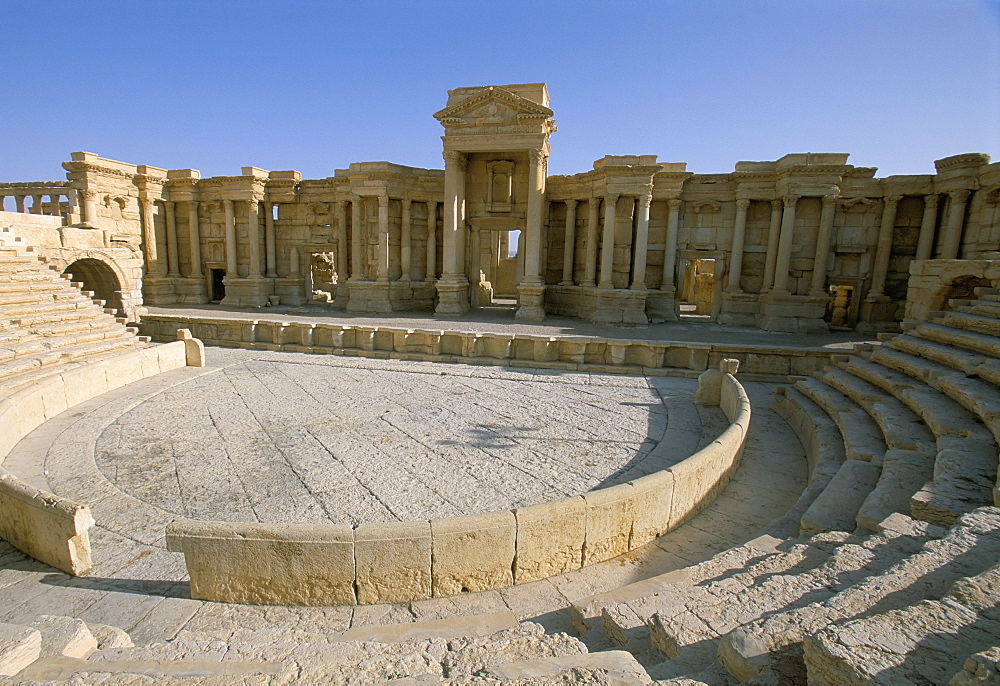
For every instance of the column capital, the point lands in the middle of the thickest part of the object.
(776, 204)
(673, 204)
(960, 195)
(892, 199)
(646, 199)
(790, 200)
(571, 203)
(931, 200)
(743, 204)
(456, 159)
(829, 200)
(383, 199)
(536, 155)
(611, 197)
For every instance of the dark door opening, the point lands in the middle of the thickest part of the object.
(218, 285)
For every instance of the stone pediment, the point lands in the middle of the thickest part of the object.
(492, 106)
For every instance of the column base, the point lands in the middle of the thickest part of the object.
(782, 311)
(290, 290)
(453, 295)
(368, 296)
(662, 306)
(879, 314)
(191, 290)
(249, 292)
(159, 290)
(530, 302)
(739, 309)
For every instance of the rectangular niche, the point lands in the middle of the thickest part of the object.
(500, 183)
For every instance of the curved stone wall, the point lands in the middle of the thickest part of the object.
(51, 529)
(402, 561)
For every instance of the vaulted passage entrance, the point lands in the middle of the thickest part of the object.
(98, 277)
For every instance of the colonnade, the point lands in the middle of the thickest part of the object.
(52, 207)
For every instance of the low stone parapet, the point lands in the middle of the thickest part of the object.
(474, 347)
(395, 562)
(51, 529)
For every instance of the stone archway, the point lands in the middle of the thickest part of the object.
(100, 278)
(961, 288)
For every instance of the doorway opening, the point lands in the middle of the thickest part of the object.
(98, 277)
(322, 277)
(841, 308)
(216, 285)
(698, 292)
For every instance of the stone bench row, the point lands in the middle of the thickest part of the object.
(50, 529)
(561, 352)
(404, 561)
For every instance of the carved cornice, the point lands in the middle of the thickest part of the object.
(522, 106)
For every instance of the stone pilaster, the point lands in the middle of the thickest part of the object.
(569, 243)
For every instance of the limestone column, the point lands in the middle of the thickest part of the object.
(818, 285)
(341, 241)
(670, 249)
(357, 247)
(739, 237)
(382, 268)
(431, 273)
(19, 203)
(533, 239)
(590, 261)
(172, 270)
(153, 266)
(956, 217)
(928, 223)
(232, 270)
(269, 248)
(772, 245)
(36, 205)
(194, 238)
(569, 243)
(884, 247)
(784, 258)
(55, 206)
(641, 244)
(253, 236)
(454, 213)
(608, 242)
(404, 241)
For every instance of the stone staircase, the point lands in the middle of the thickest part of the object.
(897, 525)
(48, 322)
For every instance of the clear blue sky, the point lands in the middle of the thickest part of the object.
(314, 86)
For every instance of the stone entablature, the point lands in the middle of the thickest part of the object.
(792, 244)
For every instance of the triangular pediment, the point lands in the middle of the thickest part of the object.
(493, 102)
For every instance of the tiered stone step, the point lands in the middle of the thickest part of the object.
(927, 642)
(686, 621)
(511, 655)
(772, 646)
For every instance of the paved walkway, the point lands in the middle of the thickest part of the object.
(501, 320)
(138, 586)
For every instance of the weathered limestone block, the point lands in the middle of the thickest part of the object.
(44, 526)
(19, 647)
(472, 553)
(710, 382)
(699, 478)
(653, 495)
(550, 538)
(194, 350)
(982, 669)
(279, 564)
(65, 637)
(393, 562)
(610, 513)
(109, 637)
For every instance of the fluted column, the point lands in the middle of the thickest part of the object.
(357, 247)
(956, 217)
(569, 243)
(590, 261)
(608, 242)
(784, 258)
(149, 248)
(670, 249)
(253, 237)
(533, 223)
(341, 241)
(641, 243)
(739, 237)
(194, 238)
(431, 273)
(269, 238)
(404, 241)
(771, 256)
(382, 268)
(232, 270)
(172, 269)
(818, 285)
(928, 223)
(883, 248)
